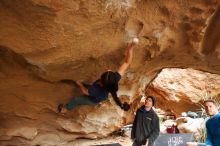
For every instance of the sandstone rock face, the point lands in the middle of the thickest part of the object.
(25, 132)
(180, 89)
(44, 41)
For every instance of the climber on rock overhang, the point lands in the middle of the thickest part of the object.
(99, 90)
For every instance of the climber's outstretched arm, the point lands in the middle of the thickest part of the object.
(128, 59)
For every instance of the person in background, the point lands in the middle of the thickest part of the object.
(212, 125)
(146, 126)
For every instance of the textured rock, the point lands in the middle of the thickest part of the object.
(25, 132)
(43, 41)
(96, 122)
(181, 88)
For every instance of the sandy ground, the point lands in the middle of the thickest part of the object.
(122, 140)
